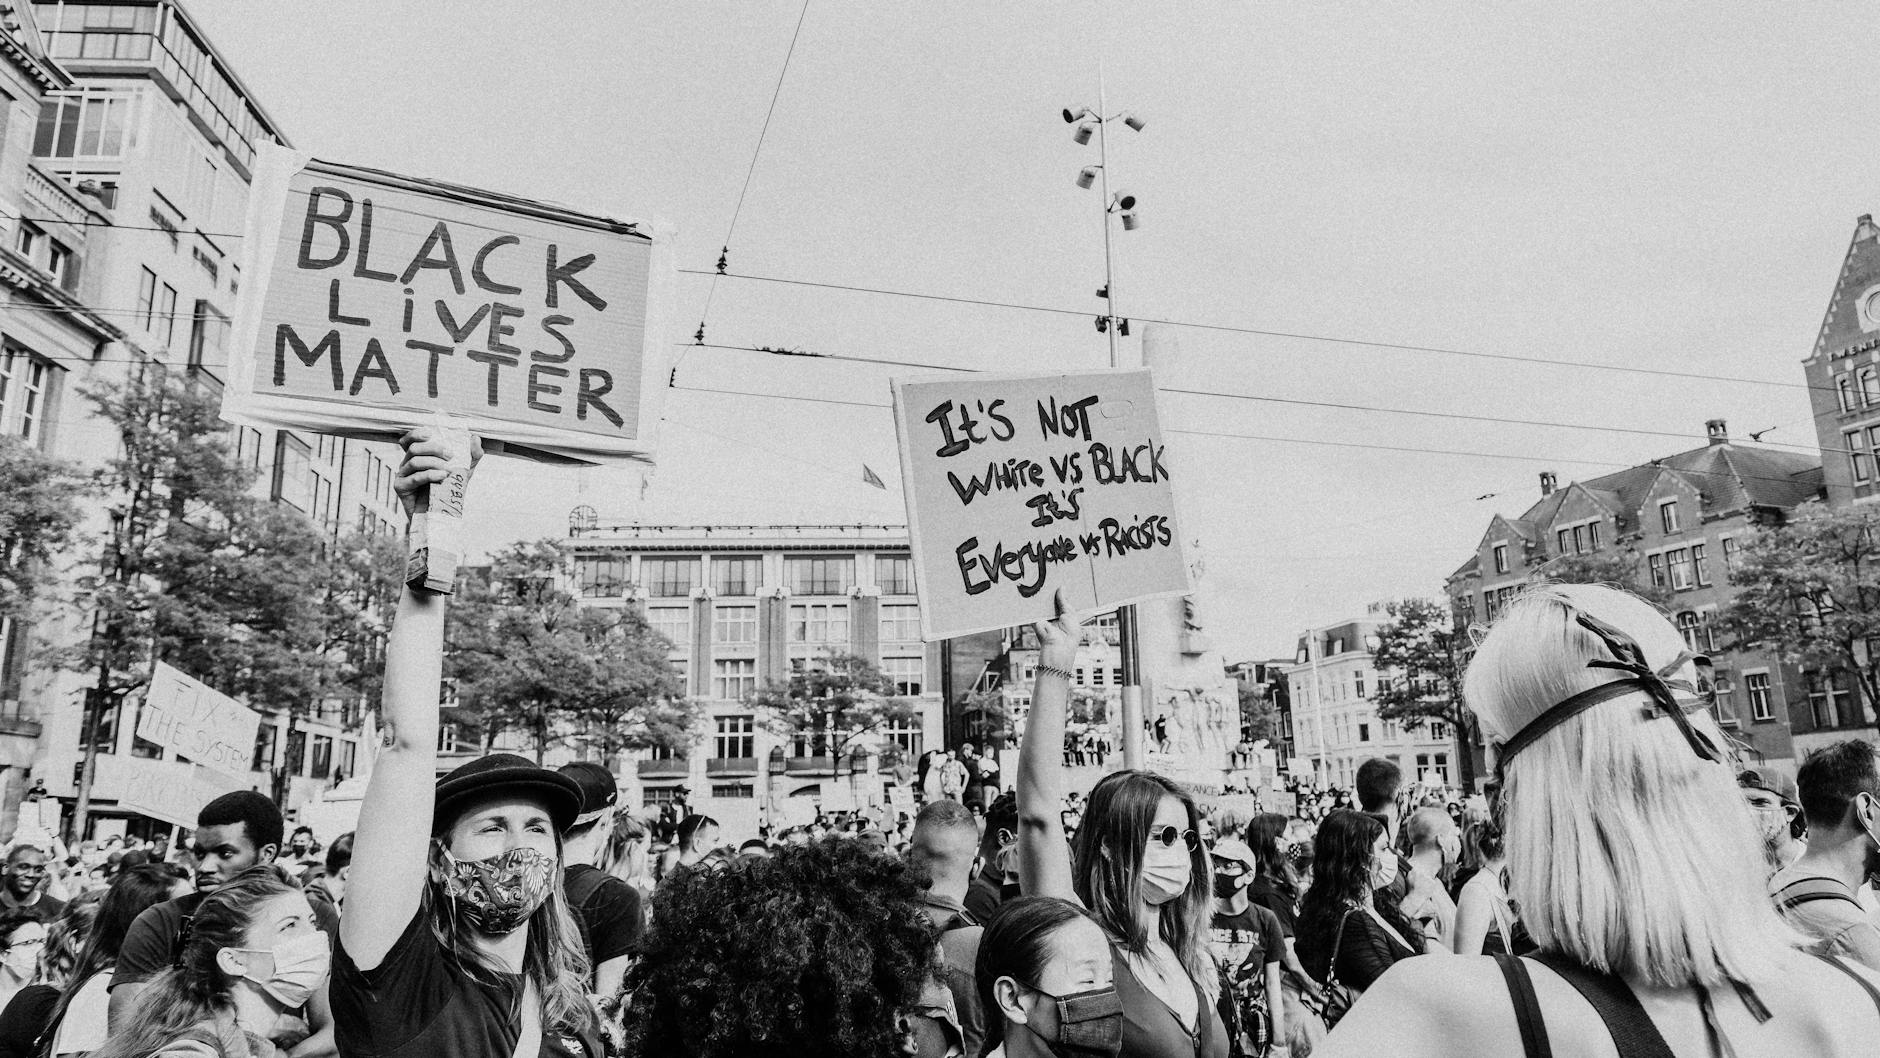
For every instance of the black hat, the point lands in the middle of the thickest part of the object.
(599, 791)
(506, 772)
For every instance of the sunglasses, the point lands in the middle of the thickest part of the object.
(1169, 835)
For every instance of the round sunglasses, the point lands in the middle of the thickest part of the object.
(1167, 837)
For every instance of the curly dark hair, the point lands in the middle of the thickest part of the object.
(814, 950)
(1341, 875)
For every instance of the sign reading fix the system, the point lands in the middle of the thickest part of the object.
(182, 713)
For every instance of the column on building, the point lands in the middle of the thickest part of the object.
(700, 676)
(773, 635)
(865, 622)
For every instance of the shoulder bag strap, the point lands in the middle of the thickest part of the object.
(1865, 985)
(1527, 1009)
(1632, 1029)
(1813, 889)
(1338, 941)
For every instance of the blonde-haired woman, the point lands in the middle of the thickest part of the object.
(1634, 863)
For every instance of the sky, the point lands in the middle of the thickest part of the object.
(1670, 186)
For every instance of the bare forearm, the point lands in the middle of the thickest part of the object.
(414, 670)
(1044, 861)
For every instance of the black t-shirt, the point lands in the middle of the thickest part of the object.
(150, 945)
(609, 911)
(419, 1002)
(24, 1020)
(43, 910)
(1254, 934)
(1277, 897)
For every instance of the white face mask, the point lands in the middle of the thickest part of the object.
(1383, 869)
(300, 967)
(1165, 872)
(23, 959)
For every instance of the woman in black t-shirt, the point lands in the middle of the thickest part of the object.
(1352, 861)
(459, 940)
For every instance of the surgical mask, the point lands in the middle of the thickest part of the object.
(1165, 872)
(1383, 869)
(1089, 1024)
(1770, 821)
(499, 894)
(300, 967)
(23, 958)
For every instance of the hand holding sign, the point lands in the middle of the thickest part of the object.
(431, 483)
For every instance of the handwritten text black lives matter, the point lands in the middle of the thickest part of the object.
(548, 384)
(1056, 489)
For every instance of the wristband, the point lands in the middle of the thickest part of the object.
(1052, 670)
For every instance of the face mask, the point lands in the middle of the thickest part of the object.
(300, 967)
(1383, 869)
(23, 959)
(1770, 822)
(499, 894)
(1089, 1024)
(1165, 873)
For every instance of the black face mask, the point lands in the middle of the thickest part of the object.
(1090, 1024)
(1227, 886)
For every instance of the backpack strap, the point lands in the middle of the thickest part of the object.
(1632, 1029)
(1808, 890)
(1865, 985)
(1527, 1009)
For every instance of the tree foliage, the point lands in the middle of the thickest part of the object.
(1259, 714)
(988, 718)
(836, 704)
(38, 519)
(1416, 652)
(528, 656)
(1809, 590)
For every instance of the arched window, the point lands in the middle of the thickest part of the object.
(1690, 626)
(1869, 386)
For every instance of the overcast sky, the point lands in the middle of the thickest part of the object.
(1670, 185)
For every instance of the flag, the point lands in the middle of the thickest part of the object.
(871, 478)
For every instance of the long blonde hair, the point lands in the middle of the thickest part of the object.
(1626, 851)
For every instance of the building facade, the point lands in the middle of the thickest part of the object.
(1330, 721)
(744, 606)
(1678, 518)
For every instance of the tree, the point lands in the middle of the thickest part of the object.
(198, 571)
(1259, 715)
(528, 656)
(988, 718)
(38, 517)
(1809, 590)
(833, 705)
(1617, 568)
(1421, 675)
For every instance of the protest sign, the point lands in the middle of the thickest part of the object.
(182, 713)
(1284, 802)
(1021, 485)
(161, 789)
(375, 302)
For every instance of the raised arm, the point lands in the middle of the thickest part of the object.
(1044, 859)
(391, 845)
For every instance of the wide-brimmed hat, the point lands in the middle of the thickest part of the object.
(506, 773)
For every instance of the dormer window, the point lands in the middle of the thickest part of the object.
(1668, 516)
(1501, 558)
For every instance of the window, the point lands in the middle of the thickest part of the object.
(826, 623)
(99, 31)
(63, 264)
(1439, 731)
(1364, 732)
(1501, 558)
(1859, 455)
(293, 472)
(146, 296)
(264, 747)
(1844, 387)
(735, 576)
(900, 623)
(1357, 684)
(207, 262)
(1592, 536)
(669, 578)
(168, 225)
(24, 381)
(1668, 515)
(819, 576)
(348, 759)
(1678, 561)
(322, 756)
(29, 241)
(1655, 564)
(1690, 626)
(600, 576)
(1820, 709)
(734, 624)
(658, 796)
(90, 123)
(1757, 683)
(907, 736)
(1700, 570)
(907, 674)
(734, 791)
(1729, 557)
(673, 622)
(736, 738)
(1561, 538)
(734, 679)
(1869, 386)
(895, 574)
(165, 323)
(815, 738)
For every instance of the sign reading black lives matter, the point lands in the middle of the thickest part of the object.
(1021, 486)
(376, 302)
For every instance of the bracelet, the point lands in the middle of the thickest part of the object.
(1052, 670)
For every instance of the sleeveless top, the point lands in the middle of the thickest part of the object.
(1151, 1029)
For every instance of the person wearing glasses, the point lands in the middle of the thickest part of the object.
(1136, 863)
(22, 941)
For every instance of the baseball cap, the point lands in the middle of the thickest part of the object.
(505, 773)
(599, 791)
(1776, 782)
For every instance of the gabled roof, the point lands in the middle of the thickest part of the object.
(1860, 270)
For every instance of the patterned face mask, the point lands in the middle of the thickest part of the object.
(499, 894)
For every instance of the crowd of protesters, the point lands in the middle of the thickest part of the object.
(1628, 888)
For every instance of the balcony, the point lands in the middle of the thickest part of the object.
(809, 765)
(676, 768)
(730, 767)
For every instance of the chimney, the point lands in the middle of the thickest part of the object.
(1547, 483)
(1864, 228)
(1718, 431)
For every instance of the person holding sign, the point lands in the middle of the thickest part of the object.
(459, 940)
(1136, 863)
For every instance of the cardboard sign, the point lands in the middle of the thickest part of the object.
(1020, 486)
(184, 714)
(171, 791)
(1284, 802)
(374, 302)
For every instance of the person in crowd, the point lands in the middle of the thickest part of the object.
(1230, 829)
(252, 956)
(466, 945)
(1631, 859)
(1276, 887)
(1486, 922)
(1350, 929)
(22, 942)
(608, 910)
(234, 832)
(628, 856)
(974, 791)
(1379, 784)
(942, 852)
(1776, 804)
(1136, 863)
(988, 776)
(697, 836)
(952, 777)
(927, 781)
(997, 878)
(1839, 789)
(821, 949)
(1248, 939)
(754, 847)
(303, 850)
(78, 1020)
(327, 893)
(1434, 844)
(23, 888)
(1047, 982)
(23, 1020)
